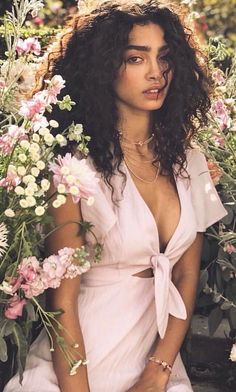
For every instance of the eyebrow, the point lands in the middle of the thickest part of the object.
(144, 48)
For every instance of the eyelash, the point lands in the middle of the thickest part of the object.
(131, 60)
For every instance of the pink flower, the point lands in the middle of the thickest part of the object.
(218, 76)
(8, 140)
(229, 248)
(34, 288)
(29, 45)
(11, 180)
(34, 106)
(38, 21)
(79, 180)
(14, 307)
(29, 268)
(220, 111)
(55, 85)
(54, 271)
(39, 121)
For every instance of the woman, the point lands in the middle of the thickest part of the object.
(142, 96)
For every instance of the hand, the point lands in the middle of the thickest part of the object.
(153, 379)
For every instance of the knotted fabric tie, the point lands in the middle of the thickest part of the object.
(168, 299)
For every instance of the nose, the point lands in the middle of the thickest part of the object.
(155, 71)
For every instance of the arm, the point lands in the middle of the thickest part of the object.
(66, 297)
(185, 276)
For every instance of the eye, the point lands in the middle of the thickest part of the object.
(134, 60)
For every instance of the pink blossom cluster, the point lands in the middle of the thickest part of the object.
(29, 45)
(33, 278)
(218, 77)
(8, 140)
(75, 175)
(11, 180)
(220, 111)
(34, 108)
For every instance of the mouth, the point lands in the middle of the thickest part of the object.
(153, 93)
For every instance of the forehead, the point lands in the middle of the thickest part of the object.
(150, 34)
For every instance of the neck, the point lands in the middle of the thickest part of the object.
(135, 126)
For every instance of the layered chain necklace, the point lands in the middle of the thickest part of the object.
(126, 145)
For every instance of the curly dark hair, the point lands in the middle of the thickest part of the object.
(88, 57)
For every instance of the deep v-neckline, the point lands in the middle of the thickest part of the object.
(149, 212)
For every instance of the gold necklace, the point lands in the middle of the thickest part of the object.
(138, 143)
(142, 179)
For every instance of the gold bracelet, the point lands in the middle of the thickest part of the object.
(164, 364)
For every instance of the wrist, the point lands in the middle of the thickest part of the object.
(157, 372)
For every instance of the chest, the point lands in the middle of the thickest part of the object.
(162, 200)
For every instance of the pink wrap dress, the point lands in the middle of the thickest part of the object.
(121, 314)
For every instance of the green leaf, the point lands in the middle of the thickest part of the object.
(22, 348)
(6, 327)
(29, 307)
(228, 219)
(203, 280)
(214, 320)
(3, 350)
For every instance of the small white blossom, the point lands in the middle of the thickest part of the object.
(34, 147)
(53, 124)
(29, 178)
(29, 191)
(56, 203)
(24, 203)
(34, 171)
(40, 165)
(74, 190)
(24, 144)
(61, 140)
(45, 184)
(39, 211)
(31, 201)
(43, 131)
(36, 138)
(61, 188)
(65, 170)
(19, 190)
(35, 156)
(70, 179)
(21, 170)
(9, 213)
(61, 199)
(22, 157)
(49, 139)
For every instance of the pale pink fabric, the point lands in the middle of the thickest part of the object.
(121, 314)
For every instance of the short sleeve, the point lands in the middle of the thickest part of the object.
(206, 202)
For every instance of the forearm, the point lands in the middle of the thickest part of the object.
(79, 381)
(168, 348)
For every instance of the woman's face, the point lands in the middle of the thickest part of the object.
(140, 84)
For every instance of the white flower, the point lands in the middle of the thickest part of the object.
(29, 191)
(61, 199)
(49, 139)
(53, 124)
(24, 203)
(29, 178)
(35, 156)
(34, 147)
(232, 356)
(74, 190)
(56, 203)
(40, 165)
(21, 170)
(9, 213)
(61, 140)
(31, 201)
(19, 190)
(36, 138)
(22, 157)
(61, 188)
(24, 144)
(74, 368)
(39, 211)
(90, 201)
(43, 131)
(34, 171)
(45, 184)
